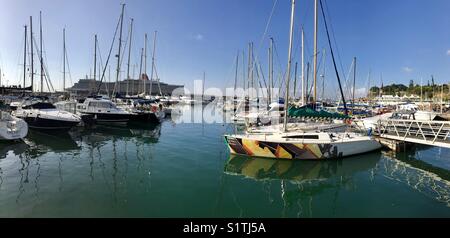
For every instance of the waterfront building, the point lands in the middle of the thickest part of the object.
(390, 100)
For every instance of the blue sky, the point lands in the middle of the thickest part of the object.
(401, 39)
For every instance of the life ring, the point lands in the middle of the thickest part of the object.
(154, 108)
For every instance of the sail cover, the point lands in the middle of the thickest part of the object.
(308, 112)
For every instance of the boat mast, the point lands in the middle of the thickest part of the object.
(270, 71)
(248, 68)
(140, 68)
(243, 70)
(381, 89)
(291, 36)
(32, 61)
(40, 52)
(252, 63)
(307, 96)
(354, 84)
(120, 48)
(295, 79)
(129, 55)
(153, 62)
(236, 76)
(145, 66)
(109, 80)
(134, 77)
(368, 86)
(323, 74)
(315, 50)
(24, 60)
(64, 59)
(95, 57)
(421, 99)
(303, 67)
(442, 95)
(203, 86)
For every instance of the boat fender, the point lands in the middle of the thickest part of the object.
(154, 108)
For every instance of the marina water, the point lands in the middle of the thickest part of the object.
(185, 170)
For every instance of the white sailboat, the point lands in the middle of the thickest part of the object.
(40, 114)
(423, 115)
(299, 144)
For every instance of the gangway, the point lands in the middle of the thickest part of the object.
(433, 133)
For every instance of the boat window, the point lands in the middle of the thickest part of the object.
(311, 137)
(107, 105)
(40, 105)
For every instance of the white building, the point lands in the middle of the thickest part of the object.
(390, 100)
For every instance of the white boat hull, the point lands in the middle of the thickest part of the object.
(300, 149)
(424, 115)
(15, 129)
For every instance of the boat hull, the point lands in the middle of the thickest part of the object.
(145, 117)
(108, 118)
(14, 130)
(425, 116)
(47, 124)
(299, 151)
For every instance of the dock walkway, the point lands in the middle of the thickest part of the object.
(434, 133)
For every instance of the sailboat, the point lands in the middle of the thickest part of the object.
(300, 144)
(40, 114)
(38, 111)
(423, 115)
(142, 108)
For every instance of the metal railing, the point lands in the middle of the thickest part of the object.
(436, 133)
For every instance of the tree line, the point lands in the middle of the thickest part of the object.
(429, 90)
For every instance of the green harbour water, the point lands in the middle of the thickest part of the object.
(185, 170)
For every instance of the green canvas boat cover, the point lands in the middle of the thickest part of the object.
(308, 112)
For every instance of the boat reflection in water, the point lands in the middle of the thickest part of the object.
(141, 132)
(41, 143)
(298, 183)
(298, 171)
(306, 188)
(16, 148)
(101, 158)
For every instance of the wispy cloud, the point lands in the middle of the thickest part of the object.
(198, 37)
(448, 52)
(407, 69)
